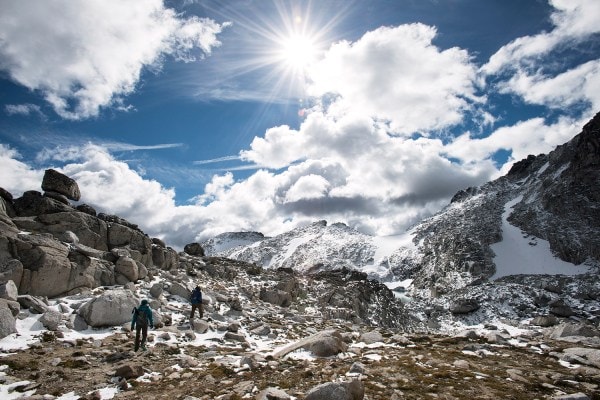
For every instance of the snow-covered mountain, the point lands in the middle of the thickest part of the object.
(543, 217)
(312, 248)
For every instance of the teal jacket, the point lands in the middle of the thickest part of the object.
(145, 308)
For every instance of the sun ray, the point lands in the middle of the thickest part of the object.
(277, 47)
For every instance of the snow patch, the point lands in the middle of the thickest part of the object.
(519, 253)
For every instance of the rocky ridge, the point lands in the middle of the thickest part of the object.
(558, 201)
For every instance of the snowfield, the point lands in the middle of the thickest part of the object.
(519, 253)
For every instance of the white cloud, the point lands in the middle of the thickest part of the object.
(82, 56)
(580, 84)
(533, 136)
(24, 109)
(396, 74)
(17, 177)
(307, 187)
(574, 20)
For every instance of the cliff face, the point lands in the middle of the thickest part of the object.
(561, 198)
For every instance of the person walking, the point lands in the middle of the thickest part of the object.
(196, 300)
(142, 318)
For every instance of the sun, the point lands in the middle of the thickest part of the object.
(297, 51)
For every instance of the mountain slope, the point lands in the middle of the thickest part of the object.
(553, 198)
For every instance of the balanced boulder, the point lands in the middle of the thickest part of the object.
(54, 181)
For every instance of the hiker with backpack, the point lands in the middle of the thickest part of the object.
(142, 318)
(196, 300)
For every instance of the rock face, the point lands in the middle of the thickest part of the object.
(54, 181)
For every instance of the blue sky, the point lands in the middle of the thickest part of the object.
(192, 117)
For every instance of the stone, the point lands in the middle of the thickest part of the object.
(200, 326)
(463, 306)
(194, 249)
(583, 355)
(178, 289)
(562, 311)
(262, 330)
(125, 236)
(156, 290)
(129, 371)
(51, 320)
(8, 323)
(79, 323)
(545, 320)
(165, 258)
(371, 337)
(234, 336)
(570, 329)
(357, 368)
(57, 196)
(84, 208)
(14, 306)
(112, 308)
(573, 396)
(354, 390)
(9, 291)
(47, 268)
(272, 394)
(323, 344)
(11, 270)
(34, 304)
(57, 182)
(6, 195)
(32, 203)
(142, 270)
(127, 267)
(90, 231)
(275, 296)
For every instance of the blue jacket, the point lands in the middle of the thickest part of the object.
(145, 308)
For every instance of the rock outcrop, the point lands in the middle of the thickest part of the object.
(49, 248)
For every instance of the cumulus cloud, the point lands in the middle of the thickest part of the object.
(82, 56)
(397, 75)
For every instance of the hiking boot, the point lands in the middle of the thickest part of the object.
(144, 348)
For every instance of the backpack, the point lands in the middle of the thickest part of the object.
(140, 317)
(196, 296)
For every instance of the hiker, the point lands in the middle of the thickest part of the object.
(196, 299)
(142, 317)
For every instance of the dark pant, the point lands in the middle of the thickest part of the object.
(144, 329)
(199, 307)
